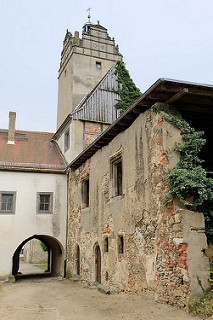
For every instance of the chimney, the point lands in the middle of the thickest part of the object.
(11, 130)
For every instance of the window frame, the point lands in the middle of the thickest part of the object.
(50, 210)
(13, 194)
(114, 161)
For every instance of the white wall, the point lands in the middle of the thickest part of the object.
(76, 140)
(26, 222)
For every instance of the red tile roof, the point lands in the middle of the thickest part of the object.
(31, 151)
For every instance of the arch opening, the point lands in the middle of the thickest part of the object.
(55, 259)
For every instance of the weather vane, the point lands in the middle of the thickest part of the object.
(89, 15)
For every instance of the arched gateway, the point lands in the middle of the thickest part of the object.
(55, 254)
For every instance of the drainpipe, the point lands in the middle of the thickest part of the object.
(65, 251)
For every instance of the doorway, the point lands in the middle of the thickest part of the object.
(77, 260)
(97, 264)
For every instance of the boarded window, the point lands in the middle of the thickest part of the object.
(85, 193)
(120, 244)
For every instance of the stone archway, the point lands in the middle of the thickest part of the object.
(55, 255)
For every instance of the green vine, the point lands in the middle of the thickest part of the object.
(188, 180)
(126, 88)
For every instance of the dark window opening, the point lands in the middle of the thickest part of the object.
(66, 140)
(120, 244)
(107, 276)
(98, 65)
(106, 244)
(119, 178)
(85, 193)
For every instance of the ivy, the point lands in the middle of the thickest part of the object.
(126, 88)
(188, 181)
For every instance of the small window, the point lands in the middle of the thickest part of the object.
(44, 202)
(85, 193)
(66, 140)
(120, 244)
(98, 65)
(7, 204)
(117, 176)
(106, 244)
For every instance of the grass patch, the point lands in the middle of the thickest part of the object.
(202, 306)
(40, 265)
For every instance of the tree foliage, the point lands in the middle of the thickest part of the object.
(43, 246)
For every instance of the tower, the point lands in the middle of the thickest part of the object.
(84, 62)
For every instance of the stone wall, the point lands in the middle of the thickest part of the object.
(159, 241)
(33, 252)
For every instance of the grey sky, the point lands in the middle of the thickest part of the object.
(158, 38)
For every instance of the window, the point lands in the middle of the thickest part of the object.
(98, 65)
(120, 244)
(116, 175)
(85, 193)
(7, 202)
(44, 202)
(67, 140)
(106, 244)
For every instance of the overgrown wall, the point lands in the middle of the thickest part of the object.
(164, 249)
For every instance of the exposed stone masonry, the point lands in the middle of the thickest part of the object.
(158, 245)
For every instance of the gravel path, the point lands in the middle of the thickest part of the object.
(57, 299)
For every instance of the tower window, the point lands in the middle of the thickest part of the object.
(98, 65)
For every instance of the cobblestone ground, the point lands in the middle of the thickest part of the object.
(56, 299)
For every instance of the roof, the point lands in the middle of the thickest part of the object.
(193, 100)
(31, 151)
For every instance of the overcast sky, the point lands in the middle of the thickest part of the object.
(158, 38)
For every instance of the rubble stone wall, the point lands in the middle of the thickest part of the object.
(159, 241)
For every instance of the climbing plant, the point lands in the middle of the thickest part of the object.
(126, 88)
(188, 180)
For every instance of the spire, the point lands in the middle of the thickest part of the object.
(87, 25)
(89, 15)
